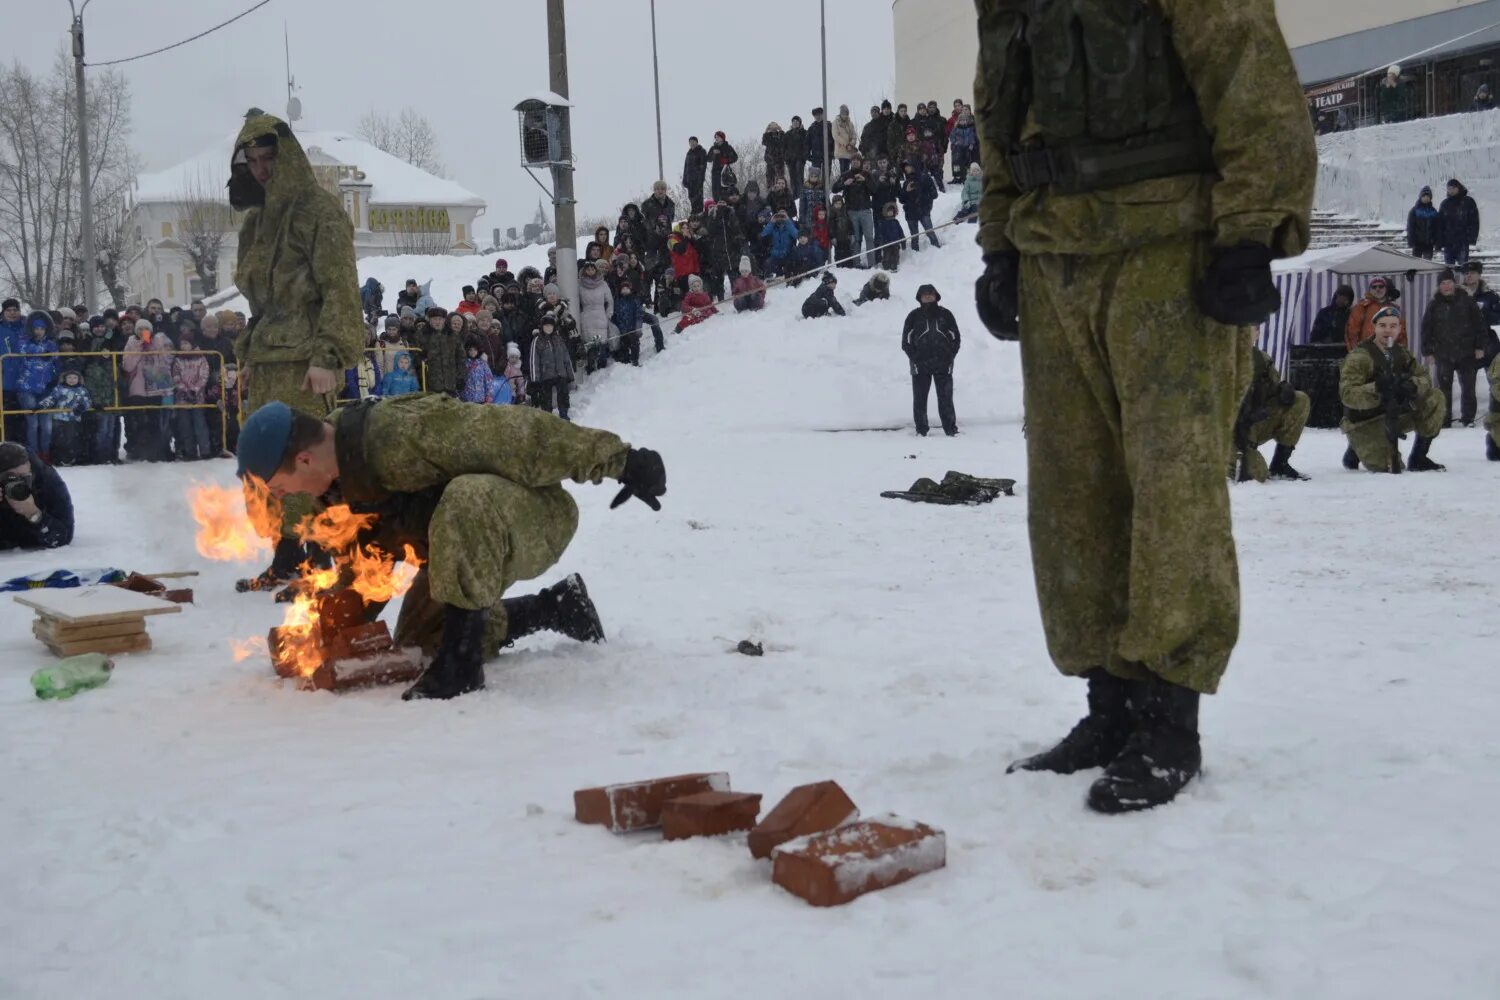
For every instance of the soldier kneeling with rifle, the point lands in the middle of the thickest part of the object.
(1271, 410)
(1386, 395)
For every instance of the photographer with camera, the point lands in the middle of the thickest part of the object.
(36, 511)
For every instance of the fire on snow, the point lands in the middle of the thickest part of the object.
(235, 526)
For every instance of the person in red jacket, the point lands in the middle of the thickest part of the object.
(1361, 324)
(470, 305)
(697, 305)
(820, 233)
(685, 260)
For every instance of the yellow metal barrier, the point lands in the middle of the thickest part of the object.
(239, 385)
(118, 407)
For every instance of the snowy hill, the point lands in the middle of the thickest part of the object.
(197, 829)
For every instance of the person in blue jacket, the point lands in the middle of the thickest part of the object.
(400, 380)
(1424, 226)
(918, 192)
(38, 375)
(12, 335)
(781, 233)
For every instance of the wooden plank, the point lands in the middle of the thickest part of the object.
(53, 631)
(118, 644)
(88, 605)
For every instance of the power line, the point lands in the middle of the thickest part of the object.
(174, 45)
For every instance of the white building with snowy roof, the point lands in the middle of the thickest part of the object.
(395, 208)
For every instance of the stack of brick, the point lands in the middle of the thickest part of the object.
(820, 849)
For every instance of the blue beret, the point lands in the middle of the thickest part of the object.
(263, 440)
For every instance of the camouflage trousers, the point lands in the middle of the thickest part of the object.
(1131, 400)
(1284, 426)
(282, 383)
(486, 534)
(1369, 440)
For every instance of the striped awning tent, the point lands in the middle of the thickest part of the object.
(1307, 284)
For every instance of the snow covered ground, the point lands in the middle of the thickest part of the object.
(198, 829)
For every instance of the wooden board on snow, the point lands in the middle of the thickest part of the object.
(85, 605)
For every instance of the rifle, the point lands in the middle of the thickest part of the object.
(1385, 382)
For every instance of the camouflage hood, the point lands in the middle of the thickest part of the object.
(292, 177)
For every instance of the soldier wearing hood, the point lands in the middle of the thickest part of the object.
(296, 269)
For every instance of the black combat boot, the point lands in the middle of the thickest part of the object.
(1491, 449)
(1418, 460)
(1351, 459)
(563, 607)
(286, 563)
(1161, 755)
(458, 667)
(1097, 738)
(1280, 467)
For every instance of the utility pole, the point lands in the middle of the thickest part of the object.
(827, 111)
(661, 169)
(562, 175)
(86, 196)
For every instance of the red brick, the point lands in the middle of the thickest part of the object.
(806, 809)
(637, 805)
(709, 814)
(834, 867)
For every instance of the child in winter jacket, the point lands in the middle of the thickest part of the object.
(878, 287)
(479, 380)
(363, 380)
(400, 380)
(229, 402)
(190, 389)
(841, 227)
(749, 291)
(780, 235)
(72, 398)
(514, 375)
(820, 233)
(968, 205)
(889, 234)
(697, 305)
(806, 256)
(963, 144)
(552, 369)
(823, 301)
(38, 374)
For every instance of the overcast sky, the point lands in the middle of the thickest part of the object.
(465, 63)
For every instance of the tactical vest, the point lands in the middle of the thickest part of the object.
(1398, 364)
(1108, 101)
(401, 518)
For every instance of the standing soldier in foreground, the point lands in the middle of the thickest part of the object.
(296, 268)
(1140, 175)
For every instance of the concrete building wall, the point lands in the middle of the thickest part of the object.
(937, 43)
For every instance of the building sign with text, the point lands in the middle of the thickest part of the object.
(1341, 95)
(409, 220)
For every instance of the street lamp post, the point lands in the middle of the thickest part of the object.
(661, 169)
(85, 195)
(827, 112)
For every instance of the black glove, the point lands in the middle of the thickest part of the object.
(1385, 382)
(1288, 394)
(1237, 289)
(1406, 390)
(996, 294)
(645, 477)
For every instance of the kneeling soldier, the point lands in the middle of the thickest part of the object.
(1271, 410)
(476, 491)
(1387, 395)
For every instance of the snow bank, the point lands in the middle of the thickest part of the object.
(1377, 173)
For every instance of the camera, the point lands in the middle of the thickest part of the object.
(17, 488)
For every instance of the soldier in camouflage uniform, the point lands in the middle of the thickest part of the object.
(1271, 411)
(476, 491)
(1492, 419)
(296, 268)
(1386, 395)
(1143, 164)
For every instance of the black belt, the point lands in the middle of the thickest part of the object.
(1081, 168)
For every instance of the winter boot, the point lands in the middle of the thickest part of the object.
(564, 608)
(1418, 460)
(1491, 449)
(1351, 459)
(1097, 738)
(285, 564)
(1161, 755)
(1280, 467)
(458, 667)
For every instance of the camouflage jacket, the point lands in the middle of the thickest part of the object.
(1250, 102)
(1357, 379)
(296, 265)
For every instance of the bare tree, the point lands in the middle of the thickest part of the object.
(115, 243)
(40, 214)
(408, 135)
(203, 227)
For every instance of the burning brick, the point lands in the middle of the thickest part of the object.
(335, 649)
(709, 814)
(390, 666)
(637, 805)
(806, 809)
(834, 867)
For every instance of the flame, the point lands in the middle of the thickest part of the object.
(243, 649)
(234, 525)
